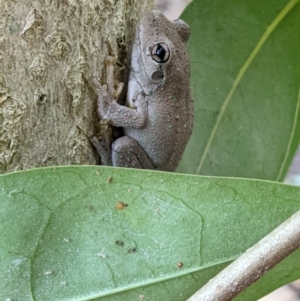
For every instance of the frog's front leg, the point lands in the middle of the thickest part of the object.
(119, 115)
(125, 151)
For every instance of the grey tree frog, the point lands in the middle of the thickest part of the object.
(158, 115)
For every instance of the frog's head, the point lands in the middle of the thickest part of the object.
(160, 53)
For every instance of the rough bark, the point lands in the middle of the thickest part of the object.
(47, 50)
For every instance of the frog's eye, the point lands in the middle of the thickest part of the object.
(160, 53)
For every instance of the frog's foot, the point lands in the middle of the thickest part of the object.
(102, 145)
(127, 152)
(103, 150)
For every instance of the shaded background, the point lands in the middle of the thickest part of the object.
(291, 292)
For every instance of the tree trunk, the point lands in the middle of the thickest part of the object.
(47, 50)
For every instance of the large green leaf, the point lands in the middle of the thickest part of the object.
(245, 73)
(62, 237)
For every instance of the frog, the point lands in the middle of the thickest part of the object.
(157, 118)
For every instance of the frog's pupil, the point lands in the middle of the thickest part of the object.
(160, 51)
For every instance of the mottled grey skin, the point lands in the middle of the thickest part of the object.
(158, 116)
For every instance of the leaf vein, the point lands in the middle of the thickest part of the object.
(241, 73)
(290, 141)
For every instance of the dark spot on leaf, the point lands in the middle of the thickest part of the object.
(132, 250)
(120, 243)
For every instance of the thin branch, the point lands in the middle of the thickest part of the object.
(256, 261)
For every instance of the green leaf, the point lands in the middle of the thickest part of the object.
(62, 237)
(245, 74)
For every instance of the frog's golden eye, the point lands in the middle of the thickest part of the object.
(160, 53)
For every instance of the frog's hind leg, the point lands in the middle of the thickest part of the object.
(127, 152)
